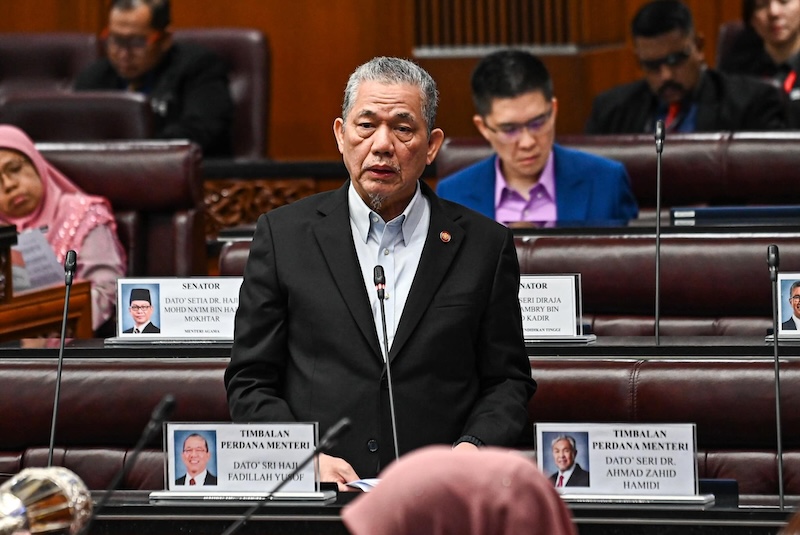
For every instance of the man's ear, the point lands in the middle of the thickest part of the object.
(480, 124)
(338, 133)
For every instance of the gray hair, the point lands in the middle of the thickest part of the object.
(388, 70)
(568, 438)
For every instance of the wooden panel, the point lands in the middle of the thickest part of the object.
(37, 313)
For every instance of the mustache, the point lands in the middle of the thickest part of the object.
(670, 85)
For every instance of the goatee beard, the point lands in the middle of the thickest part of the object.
(376, 202)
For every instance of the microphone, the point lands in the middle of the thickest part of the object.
(69, 270)
(773, 262)
(659, 135)
(159, 415)
(380, 286)
(327, 441)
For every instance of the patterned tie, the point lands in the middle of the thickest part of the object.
(137, 331)
(191, 482)
(559, 484)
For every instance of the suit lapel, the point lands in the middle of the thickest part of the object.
(335, 240)
(573, 190)
(444, 240)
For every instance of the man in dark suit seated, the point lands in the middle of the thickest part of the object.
(187, 85)
(570, 473)
(678, 87)
(531, 179)
(141, 309)
(794, 304)
(195, 456)
(308, 341)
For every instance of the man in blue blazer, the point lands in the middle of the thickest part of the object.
(530, 179)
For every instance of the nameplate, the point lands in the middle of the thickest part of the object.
(789, 305)
(619, 459)
(240, 457)
(550, 305)
(196, 308)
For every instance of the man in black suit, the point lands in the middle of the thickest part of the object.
(195, 456)
(187, 85)
(141, 309)
(570, 473)
(794, 302)
(306, 343)
(678, 88)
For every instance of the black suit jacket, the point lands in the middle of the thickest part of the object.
(725, 102)
(579, 477)
(149, 328)
(789, 325)
(211, 479)
(188, 92)
(306, 348)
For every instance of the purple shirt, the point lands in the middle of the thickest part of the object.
(511, 207)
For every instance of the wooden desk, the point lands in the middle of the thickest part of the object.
(36, 313)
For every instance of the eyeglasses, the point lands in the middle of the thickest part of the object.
(139, 308)
(510, 132)
(794, 298)
(131, 43)
(671, 60)
(195, 450)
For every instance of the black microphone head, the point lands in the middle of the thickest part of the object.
(70, 260)
(773, 261)
(334, 432)
(659, 135)
(379, 276)
(164, 408)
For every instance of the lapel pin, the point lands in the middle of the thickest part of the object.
(445, 236)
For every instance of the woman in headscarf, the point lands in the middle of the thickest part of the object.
(441, 491)
(35, 195)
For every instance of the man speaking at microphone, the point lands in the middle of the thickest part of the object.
(309, 333)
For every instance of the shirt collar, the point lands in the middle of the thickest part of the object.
(361, 214)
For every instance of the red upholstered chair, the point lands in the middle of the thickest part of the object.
(89, 116)
(246, 52)
(43, 61)
(155, 189)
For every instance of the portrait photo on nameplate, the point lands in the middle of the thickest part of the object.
(220, 457)
(172, 308)
(789, 305)
(551, 305)
(618, 459)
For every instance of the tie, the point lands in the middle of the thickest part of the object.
(672, 114)
(559, 484)
(137, 331)
(191, 481)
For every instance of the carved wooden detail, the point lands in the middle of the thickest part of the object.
(235, 202)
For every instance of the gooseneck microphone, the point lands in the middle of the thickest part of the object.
(380, 286)
(773, 263)
(159, 415)
(327, 441)
(69, 272)
(659, 135)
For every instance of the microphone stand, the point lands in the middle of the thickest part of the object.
(327, 442)
(380, 286)
(69, 270)
(773, 262)
(659, 135)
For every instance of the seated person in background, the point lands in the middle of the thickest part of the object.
(769, 48)
(438, 491)
(34, 194)
(531, 179)
(678, 87)
(187, 85)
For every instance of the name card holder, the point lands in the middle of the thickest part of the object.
(552, 309)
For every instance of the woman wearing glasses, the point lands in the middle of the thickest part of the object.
(35, 196)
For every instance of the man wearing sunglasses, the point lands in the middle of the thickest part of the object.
(678, 87)
(531, 181)
(186, 84)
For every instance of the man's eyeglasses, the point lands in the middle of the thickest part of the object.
(139, 308)
(195, 450)
(132, 43)
(794, 298)
(510, 132)
(671, 60)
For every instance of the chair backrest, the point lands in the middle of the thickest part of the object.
(729, 34)
(43, 60)
(156, 191)
(87, 116)
(246, 53)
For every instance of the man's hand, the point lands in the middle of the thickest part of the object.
(336, 470)
(465, 446)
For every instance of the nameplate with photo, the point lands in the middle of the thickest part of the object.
(551, 306)
(219, 457)
(619, 459)
(789, 305)
(196, 308)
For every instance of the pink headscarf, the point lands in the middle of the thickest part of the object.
(440, 491)
(68, 213)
